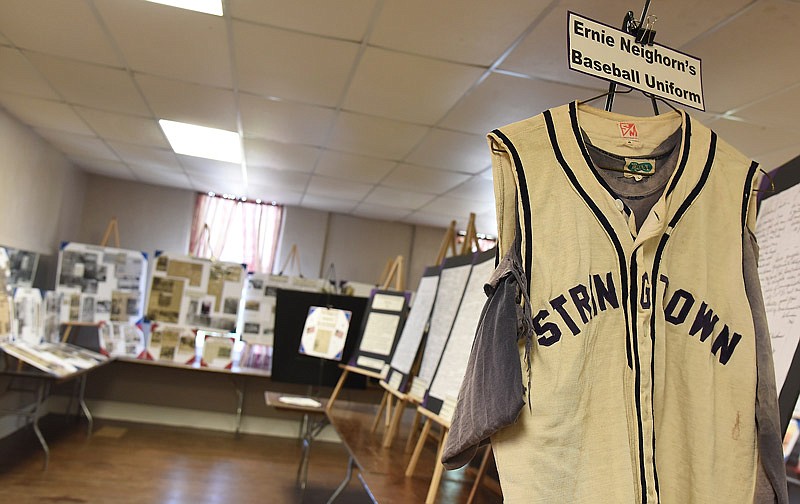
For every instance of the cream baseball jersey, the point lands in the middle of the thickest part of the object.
(643, 367)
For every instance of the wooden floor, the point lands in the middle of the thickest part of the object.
(135, 463)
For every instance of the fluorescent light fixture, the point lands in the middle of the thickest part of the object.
(199, 141)
(206, 6)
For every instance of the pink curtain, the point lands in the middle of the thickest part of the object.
(233, 230)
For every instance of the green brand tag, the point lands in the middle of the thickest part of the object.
(639, 167)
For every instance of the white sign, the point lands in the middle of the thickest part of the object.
(325, 332)
(602, 51)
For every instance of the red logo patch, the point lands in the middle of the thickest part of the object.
(628, 130)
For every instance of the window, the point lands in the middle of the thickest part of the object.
(236, 230)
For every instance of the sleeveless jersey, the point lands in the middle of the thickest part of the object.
(643, 366)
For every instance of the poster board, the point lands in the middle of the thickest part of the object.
(288, 365)
(28, 324)
(443, 392)
(383, 324)
(778, 234)
(6, 303)
(398, 376)
(101, 284)
(452, 282)
(324, 332)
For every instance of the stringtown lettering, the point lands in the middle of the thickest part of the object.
(599, 294)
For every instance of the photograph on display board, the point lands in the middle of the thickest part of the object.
(22, 267)
(324, 332)
(217, 351)
(28, 318)
(105, 284)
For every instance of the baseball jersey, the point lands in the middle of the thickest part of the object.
(644, 367)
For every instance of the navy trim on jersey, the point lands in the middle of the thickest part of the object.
(623, 268)
(662, 244)
(524, 196)
(748, 188)
(637, 373)
(687, 138)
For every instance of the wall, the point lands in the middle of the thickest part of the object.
(42, 194)
(307, 229)
(149, 217)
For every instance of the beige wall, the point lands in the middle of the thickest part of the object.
(149, 217)
(42, 195)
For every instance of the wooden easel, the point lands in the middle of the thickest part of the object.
(393, 270)
(112, 227)
(293, 259)
(470, 237)
(448, 243)
(346, 369)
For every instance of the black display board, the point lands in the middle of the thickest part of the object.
(288, 364)
(777, 181)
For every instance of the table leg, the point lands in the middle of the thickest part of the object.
(41, 394)
(412, 464)
(302, 470)
(84, 407)
(347, 477)
(239, 403)
(437, 471)
(366, 489)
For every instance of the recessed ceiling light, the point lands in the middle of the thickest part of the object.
(206, 6)
(200, 141)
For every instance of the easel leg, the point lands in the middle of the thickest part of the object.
(391, 432)
(389, 402)
(337, 389)
(481, 472)
(378, 414)
(345, 481)
(413, 431)
(412, 464)
(437, 472)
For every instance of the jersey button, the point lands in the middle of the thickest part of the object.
(620, 205)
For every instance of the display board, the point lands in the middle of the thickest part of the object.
(28, 325)
(452, 281)
(291, 310)
(324, 332)
(187, 295)
(383, 324)
(443, 392)
(259, 305)
(6, 303)
(101, 284)
(397, 378)
(22, 266)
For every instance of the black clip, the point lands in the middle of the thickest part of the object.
(646, 34)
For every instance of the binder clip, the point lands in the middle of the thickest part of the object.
(646, 34)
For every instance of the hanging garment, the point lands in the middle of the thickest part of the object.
(650, 366)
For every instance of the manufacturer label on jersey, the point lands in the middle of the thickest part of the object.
(628, 130)
(636, 168)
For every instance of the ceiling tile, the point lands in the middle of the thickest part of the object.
(91, 85)
(329, 204)
(285, 121)
(105, 167)
(19, 76)
(436, 220)
(447, 205)
(282, 156)
(780, 110)
(218, 185)
(210, 168)
(277, 179)
(336, 188)
(170, 42)
(503, 99)
(44, 113)
(374, 136)
(351, 167)
(754, 140)
(373, 211)
(471, 31)
(292, 65)
(752, 51)
(407, 176)
(60, 27)
(406, 87)
(346, 19)
(77, 145)
(453, 151)
(398, 199)
(279, 196)
(150, 157)
(124, 128)
(478, 188)
(189, 103)
(162, 177)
